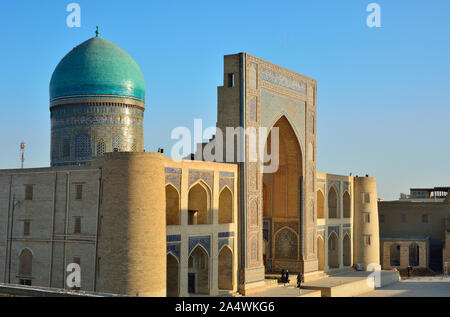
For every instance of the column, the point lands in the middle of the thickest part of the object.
(184, 248)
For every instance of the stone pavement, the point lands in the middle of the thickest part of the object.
(286, 291)
(436, 286)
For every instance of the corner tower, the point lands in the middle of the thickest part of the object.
(366, 226)
(97, 103)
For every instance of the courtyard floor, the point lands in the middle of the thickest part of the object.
(436, 286)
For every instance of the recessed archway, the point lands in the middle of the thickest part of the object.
(286, 243)
(25, 267)
(346, 205)
(172, 206)
(198, 271)
(332, 203)
(346, 251)
(320, 205)
(333, 251)
(282, 189)
(199, 200)
(26, 263)
(172, 276)
(226, 206)
(321, 253)
(225, 269)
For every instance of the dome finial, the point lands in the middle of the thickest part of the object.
(96, 32)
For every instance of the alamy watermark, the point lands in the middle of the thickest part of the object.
(73, 280)
(230, 145)
(74, 18)
(374, 18)
(374, 278)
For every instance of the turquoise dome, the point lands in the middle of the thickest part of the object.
(97, 67)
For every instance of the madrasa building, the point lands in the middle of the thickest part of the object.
(138, 223)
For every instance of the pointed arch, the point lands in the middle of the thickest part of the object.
(199, 201)
(286, 244)
(286, 180)
(321, 253)
(332, 203)
(346, 204)
(198, 271)
(225, 268)
(346, 251)
(172, 275)
(26, 263)
(320, 204)
(226, 206)
(333, 251)
(172, 205)
(284, 115)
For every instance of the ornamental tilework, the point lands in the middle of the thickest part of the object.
(226, 234)
(174, 179)
(227, 242)
(173, 238)
(83, 131)
(204, 241)
(226, 182)
(174, 248)
(334, 229)
(226, 174)
(286, 243)
(207, 177)
(279, 225)
(336, 183)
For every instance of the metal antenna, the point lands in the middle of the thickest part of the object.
(22, 153)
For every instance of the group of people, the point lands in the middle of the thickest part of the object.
(285, 278)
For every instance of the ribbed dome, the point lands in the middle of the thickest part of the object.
(97, 67)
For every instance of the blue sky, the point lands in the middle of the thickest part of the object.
(383, 93)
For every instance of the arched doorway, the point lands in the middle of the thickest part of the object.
(282, 190)
(172, 276)
(225, 206)
(346, 251)
(225, 269)
(286, 244)
(320, 205)
(25, 267)
(414, 254)
(198, 271)
(321, 253)
(346, 203)
(395, 255)
(172, 206)
(332, 204)
(199, 205)
(333, 251)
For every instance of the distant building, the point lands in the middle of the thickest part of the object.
(414, 229)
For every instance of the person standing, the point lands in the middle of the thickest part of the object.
(287, 276)
(299, 280)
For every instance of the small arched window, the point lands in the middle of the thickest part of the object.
(82, 145)
(101, 148)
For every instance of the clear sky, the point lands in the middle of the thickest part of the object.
(383, 93)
